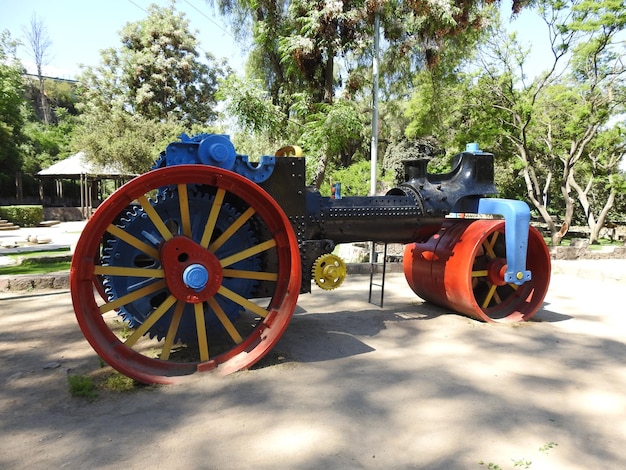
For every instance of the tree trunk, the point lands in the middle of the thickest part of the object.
(45, 112)
(329, 77)
(19, 191)
(537, 196)
(320, 170)
(569, 205)
(595, 225)
(595, 233)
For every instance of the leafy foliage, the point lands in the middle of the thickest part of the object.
(147, 92)
(248, 104)
(126, 141)
(555, 132)
(313, 57)
(336, 128)
(155, 73)
(11, 117)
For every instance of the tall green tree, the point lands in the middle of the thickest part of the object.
(11, 117)
(311, 54)
(301, 44)
(152, 85)
(551, 124)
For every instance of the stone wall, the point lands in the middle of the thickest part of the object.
(579, 249)
(63, 214)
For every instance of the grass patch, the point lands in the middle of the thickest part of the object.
(521, 463)
(36, 254)
(36, 268)
(119, 383)
(601, 242)
(104, 379)
(38, 262)
(82, 386)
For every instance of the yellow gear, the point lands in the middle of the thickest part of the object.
(329, 271)
(289, 151)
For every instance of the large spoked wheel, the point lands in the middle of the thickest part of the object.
(199, 270)
(462, 267)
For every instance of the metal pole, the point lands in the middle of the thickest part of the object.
(374, 146)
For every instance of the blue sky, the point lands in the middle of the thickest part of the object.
(79, 29)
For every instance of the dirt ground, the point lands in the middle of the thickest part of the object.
(351, 386)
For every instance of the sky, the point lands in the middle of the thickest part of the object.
(80, 29)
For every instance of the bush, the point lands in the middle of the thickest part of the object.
(24, 216)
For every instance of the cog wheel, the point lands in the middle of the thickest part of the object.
(329, 271)
(135, 222)
(160, 162)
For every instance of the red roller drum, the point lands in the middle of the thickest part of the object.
(462, 267)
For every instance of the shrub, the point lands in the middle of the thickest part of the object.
(25, 216)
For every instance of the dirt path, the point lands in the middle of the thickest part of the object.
(358, 387)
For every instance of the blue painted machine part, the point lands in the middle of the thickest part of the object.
(217, 150)
(336, 191)
(472, 147)
(516, 219)
(195, 276)
(255, 172)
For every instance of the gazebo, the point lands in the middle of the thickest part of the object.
(92, 183)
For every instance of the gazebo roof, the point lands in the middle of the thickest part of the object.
(77, 165)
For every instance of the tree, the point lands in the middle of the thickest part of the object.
(154, 85)
(305, 52)
(300, 43)
(39, 43)
(249, 105)
(599, 72)
(550, 124)
(602, 181)
(124, 140)
(11, 118)
(334, 130)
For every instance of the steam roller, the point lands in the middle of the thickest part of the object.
(197, 265)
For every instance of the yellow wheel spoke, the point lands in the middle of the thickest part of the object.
(210, 223)
(228, 325)
(184, 209)
(155, 218)
(496, 296)
(151, 320)
(132, 296)
(245, 303)
(481, 273)
(130, 272)
(171, 331)
(133, 241)
(203, 345)
(492, 290)
(241, 274)
(230, 231)
(253, 250)
(488, 245)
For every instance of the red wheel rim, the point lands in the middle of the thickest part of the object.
(125, 354)
(462, 267)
